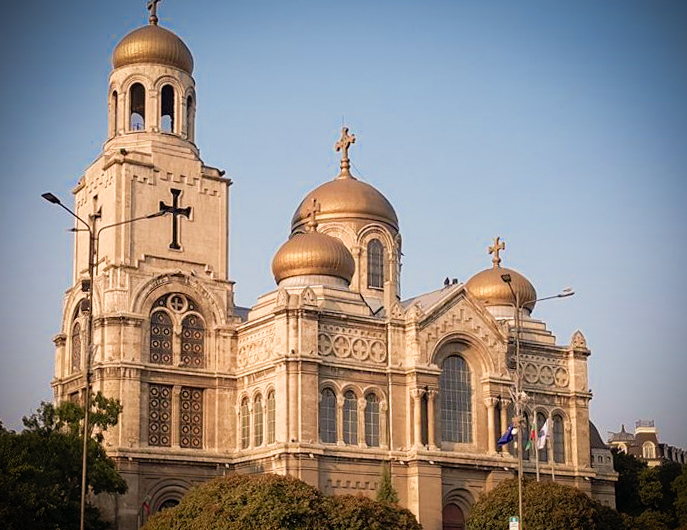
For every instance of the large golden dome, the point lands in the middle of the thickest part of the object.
(153, 44)
(312, 253)
(489, 287)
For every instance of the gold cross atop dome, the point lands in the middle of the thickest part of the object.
(342, 145)
(152, 7)
(494, 249)
(312, 214)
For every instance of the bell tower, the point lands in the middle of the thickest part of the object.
(162, 310)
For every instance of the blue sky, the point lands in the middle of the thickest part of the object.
(559, 126)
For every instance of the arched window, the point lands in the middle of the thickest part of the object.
(244, 413)
(115, 113)
(648, 450)
(350, 417)
(76, 347)
(271, 417)
(257, 421)
(453, 518)
(167, 109)
(190, 118)
(328, 416)
(372, 420)
(137, 107)
(161, 338)
(558, 440)
(542, 454)
(456, 400)
(526, 437)
(375, 264)
(192, 341)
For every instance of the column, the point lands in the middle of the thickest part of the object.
(339, 420)
(362, 433)
(417, 393)
(176, 415)
(383, 433)
(504, 420)
(490, 403)
(431, 397)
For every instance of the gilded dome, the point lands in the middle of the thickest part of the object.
(346, 197)
(488, 287)
(313, 253)
(153, 44)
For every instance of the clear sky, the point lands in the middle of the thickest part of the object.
(559, 126)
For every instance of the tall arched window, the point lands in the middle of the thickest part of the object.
(648, 450)
(115, 113)
(192, 341)
(375, 264)
(328, 416)
(161, 338)
(350, 417)
(456, 400)
(137, 107)
(76, 347)
(257, 421)
(167, 109)
(558, 440)
(244, 413)
(190, 118)
(372, 420)
(542, 454)
(271, 417)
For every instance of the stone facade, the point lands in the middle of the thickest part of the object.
(319, 380)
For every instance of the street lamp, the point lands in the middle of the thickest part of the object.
(519, 397)
(93, 238)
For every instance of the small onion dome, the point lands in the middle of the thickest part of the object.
(347, 197)
(313, 254)
(153, 44)
(489, 288)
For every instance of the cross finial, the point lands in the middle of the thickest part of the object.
(312, 214)
(152, 7)
(342, 145)
(494, 249)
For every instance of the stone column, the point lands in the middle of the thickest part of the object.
(504, 420)
(417, 393)
(431, 397)
(176, 415)
(383, 433)
(362, 433)
(339, 420)
(490, 403)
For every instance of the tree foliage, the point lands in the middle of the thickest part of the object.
(546, 506)
(40, 468)
(386, 491)
(680, 489)
(271, 502)
(627, 496)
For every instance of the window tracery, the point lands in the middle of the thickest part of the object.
(456, 400)
(271, 417)
(257, 421)
(558, 440)
(177, 312)
(328, 416)
(191, 420)
(76, 348)
(372, 420)
(159, 415)
(350, 418)
(244, 414)
(375, 264)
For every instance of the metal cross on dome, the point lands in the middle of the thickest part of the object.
(152, 7)
(176, 212)
(342, 145)
(312, 214)
(494, 249)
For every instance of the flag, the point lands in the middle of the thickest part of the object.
(543, 435)
(506, 437)
(533, 436)
(146, 506)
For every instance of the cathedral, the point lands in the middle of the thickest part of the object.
(327, 377)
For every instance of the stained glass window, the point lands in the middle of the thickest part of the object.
(372, 420)
(159, 415)
(191, 421)
(328, 416)
(558, 440)
(375, 264)
(192, 339)
(350, 418)
(456, 400)
(161, 338)
(76, 347)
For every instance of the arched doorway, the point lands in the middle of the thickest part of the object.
(453, 518)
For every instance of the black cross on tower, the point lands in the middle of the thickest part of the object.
(176, 212)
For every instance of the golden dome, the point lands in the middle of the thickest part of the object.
(153, 44)
(313, 253)
(488, 286)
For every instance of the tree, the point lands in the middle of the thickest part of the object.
(271, 502)
(547, 506)
(40, 468)
(627, 496)
(386, 491)
(679, 486)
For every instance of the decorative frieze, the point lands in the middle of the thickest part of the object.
(545, 375)
(256, 347)
(344, 342)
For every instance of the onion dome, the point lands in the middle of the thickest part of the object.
(489, 286)
(313, 254)
(153, 44)
(346, 196)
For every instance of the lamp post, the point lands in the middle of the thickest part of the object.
(93, 238)
(519, 394)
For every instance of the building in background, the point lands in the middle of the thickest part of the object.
(326, 377)
(644, 444)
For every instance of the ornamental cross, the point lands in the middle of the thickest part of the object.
(176, 212)
(342, 145)
(152, 7)
(312, 214)
(497, 246)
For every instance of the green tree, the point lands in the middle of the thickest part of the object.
(627, 496)
(40, 468)
(386, 491)
(679, 487)
(546, 506)
(348, 512)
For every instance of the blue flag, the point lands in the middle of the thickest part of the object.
(507, 436)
